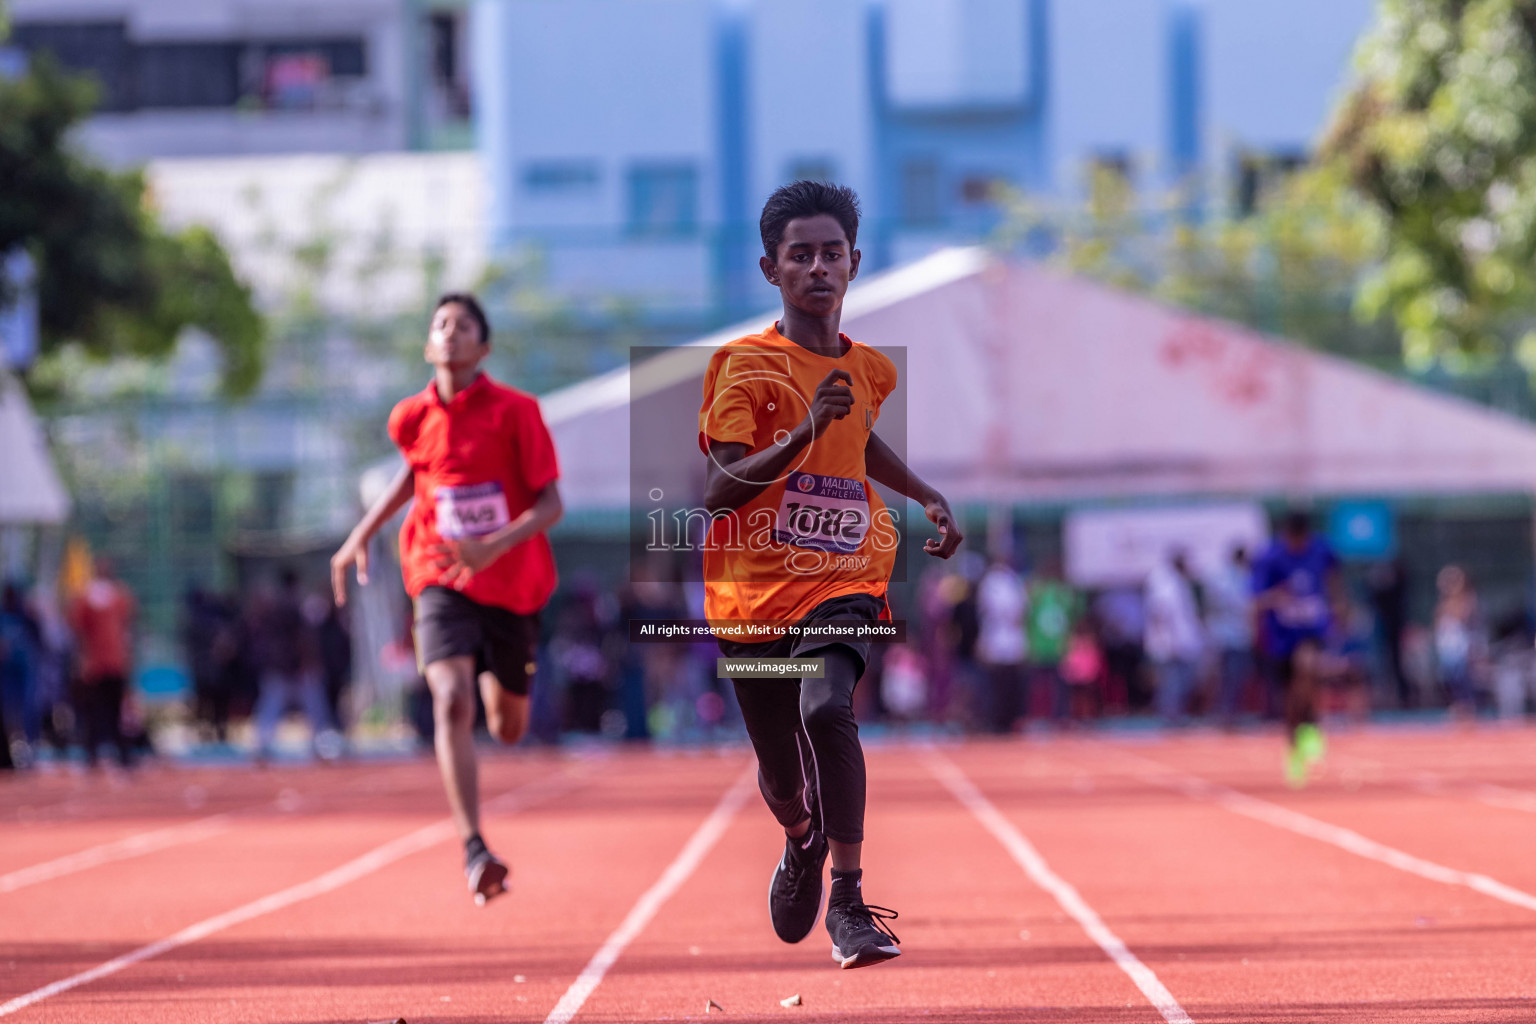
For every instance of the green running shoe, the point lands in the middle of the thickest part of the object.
(1309, 740)
(1295, 768)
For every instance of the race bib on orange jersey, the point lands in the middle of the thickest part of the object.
(824, 513)
(471, 510)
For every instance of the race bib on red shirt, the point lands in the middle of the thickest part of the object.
(826, 513)
(471, 510)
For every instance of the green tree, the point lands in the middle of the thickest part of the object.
(109, 277)
(1418, 210)
(1289, 267)
(1439, 137)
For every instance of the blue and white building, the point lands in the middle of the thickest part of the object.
(225, 78)
(632, 142)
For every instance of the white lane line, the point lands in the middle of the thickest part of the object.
(687, 861)
(1335, 835)
(121, 849)
(375, 859)
(150, 842)
(1502, 796)
(1488, 793)
(1435, 784)
(1035, 866)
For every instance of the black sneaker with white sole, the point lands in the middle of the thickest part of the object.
(486, 873)
(794, 893)
(860, 936)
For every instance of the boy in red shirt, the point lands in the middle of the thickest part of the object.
(481, 466)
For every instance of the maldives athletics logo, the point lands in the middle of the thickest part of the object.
(806, 484)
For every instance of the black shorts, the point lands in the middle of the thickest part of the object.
(1285, 664)
(849, 607)
(502, 642)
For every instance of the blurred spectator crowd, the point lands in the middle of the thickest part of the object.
(1000, 648)
(65, 671)
(994, 648)
(991, 647)
(67, 666)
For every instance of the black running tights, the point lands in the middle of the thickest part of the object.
(809, 762)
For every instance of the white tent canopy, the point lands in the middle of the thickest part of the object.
(30, 491)
(1028, 386)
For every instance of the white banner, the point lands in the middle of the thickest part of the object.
(1106, 547)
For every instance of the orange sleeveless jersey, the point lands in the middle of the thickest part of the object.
(820, 531)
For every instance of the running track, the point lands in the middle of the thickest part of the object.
(1089, 878)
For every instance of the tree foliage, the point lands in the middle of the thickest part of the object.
(1419, 207)
(110, 278)
(1439, 137)
(1289, 267)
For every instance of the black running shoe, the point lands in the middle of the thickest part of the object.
(860, 936)
(487, 876)
(794, 895)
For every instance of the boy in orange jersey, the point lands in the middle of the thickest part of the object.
(481, 466)
(800, 537)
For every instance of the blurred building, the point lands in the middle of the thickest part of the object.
(627, 145)
(632, 142)
(340, 127)
(384, 219)
(221, 77)
(622, 149)
(287, 125)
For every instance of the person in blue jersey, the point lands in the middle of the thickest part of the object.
(1293, 581)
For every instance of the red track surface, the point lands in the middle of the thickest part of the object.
(1239, 918)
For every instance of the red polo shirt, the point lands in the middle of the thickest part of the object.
(480, 462)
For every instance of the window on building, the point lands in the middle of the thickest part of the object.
(663, 199)
(920, 204)
(294, 74)
(346, 58)
(302, 74)
(449, 75)
(1260, 172)
(957, 53)
(560, 177)
(98, 49)
(978, 189)
(812, 169)
(188, 75)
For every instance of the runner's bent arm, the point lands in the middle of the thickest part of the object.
(726, 490)
(355, 548)
(884, 466)
(733, 474)
(466, 556)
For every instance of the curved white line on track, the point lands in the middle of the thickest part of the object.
(678, 872)
(121, 849)
(1335, 835)
(1035, 866)
(375, 859)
